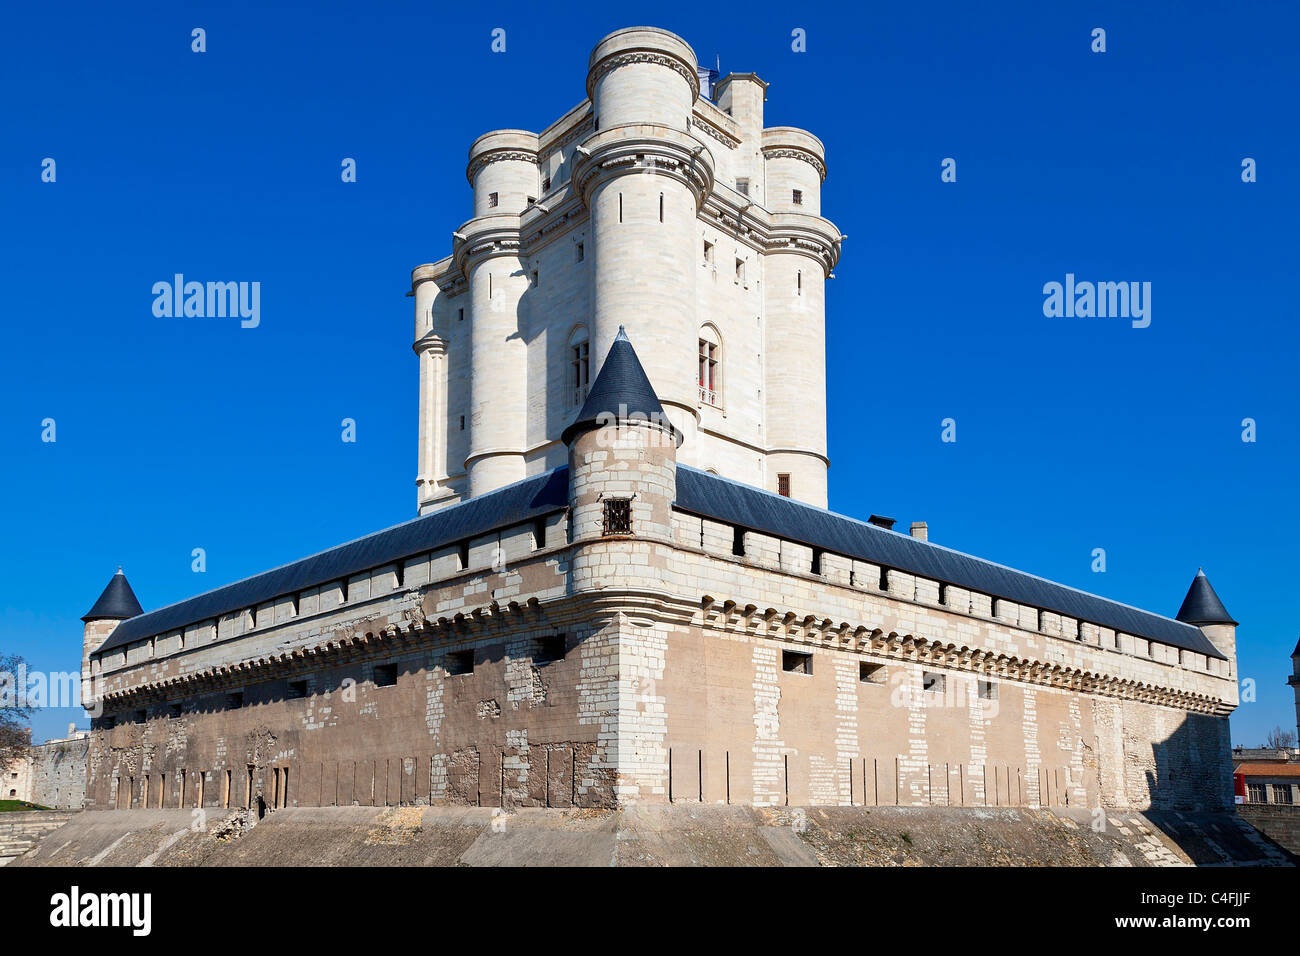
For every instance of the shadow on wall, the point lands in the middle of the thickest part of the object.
(1191, 769)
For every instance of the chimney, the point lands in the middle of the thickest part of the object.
(920, 531)
(880, 521)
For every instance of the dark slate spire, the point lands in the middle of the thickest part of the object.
(1202, 605)
(1296, 652)
(621, 391)
(116, 603)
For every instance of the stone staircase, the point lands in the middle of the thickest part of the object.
(20, 831)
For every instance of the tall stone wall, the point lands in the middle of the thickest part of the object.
(58, 770)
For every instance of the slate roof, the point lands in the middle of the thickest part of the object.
(622, 391)
(514, 504)
(722, 499)
(118, 602)
(1202, 605)
(698, 493)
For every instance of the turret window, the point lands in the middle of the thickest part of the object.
(798, 197)
(493, 200)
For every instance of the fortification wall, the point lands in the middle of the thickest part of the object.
(59, 773)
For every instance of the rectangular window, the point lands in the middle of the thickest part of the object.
(708, 252)
(870, 673)
(1255, 793)
(798, 282)
(546, 184)
(580, 251)
(738, 542)
(708, 372)
(742, 186)
(460, 315)
(385, 675)
(798, 197)
(535, 278)
(547, 650)
(235, 700)
(175, 710)
(988, 690)
(297, 690)
(141, 716)
(532, 200)
(462, 423)
(1281, 793)
(783, 485)
(796, 662)
(618, 516)
(740, 271)
(460, 662)
(493, 199)
(580, 365)
(932, 682)
(817, 560)
(539, 534)
(661, 207)
(462, 554)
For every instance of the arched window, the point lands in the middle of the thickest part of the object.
(579, 378)
(710, 371)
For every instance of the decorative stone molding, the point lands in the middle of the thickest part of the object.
(801, 154)
(862, 639)
(499, 156)
(633, 57)
(726, 138)
(646, 148)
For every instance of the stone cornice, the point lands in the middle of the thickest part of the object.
(632, 57)
(809, 629)
(430, 342)
(705, 124)
(786, 152)
(499, 156)
(643, 149)
(484, 238)
(363, 640)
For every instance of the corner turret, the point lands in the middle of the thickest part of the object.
(117, 603)
(1203, 609)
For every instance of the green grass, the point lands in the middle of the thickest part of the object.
(8, 805)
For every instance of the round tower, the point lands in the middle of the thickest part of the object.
(117, 603)
(643, 177)
(1202, 608)
(804, 251)
(503, 171)
(622, 476)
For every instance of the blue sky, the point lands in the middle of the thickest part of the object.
(1073, 434)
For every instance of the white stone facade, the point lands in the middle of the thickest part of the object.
(647, 206)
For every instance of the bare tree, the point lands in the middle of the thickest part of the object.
(1279, 739)
(15, 735)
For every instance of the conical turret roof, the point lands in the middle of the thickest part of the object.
(118, 602)
(1202, 605)
(622, 392)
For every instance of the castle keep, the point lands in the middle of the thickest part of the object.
(623, 584)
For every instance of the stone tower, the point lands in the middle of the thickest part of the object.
(649, 207)
(116, 604)
(1202, 608)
